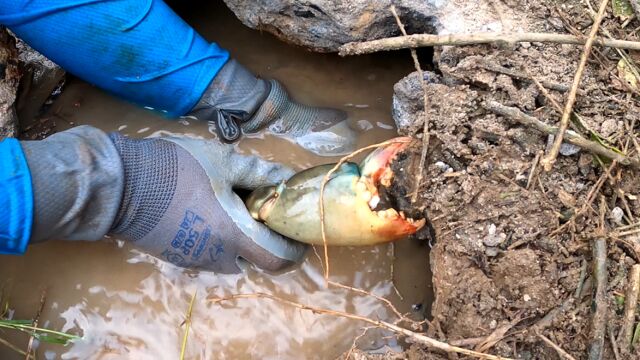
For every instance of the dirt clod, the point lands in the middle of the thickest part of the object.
(513, 247)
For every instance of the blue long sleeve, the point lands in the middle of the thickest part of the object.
(139, 50)
(16, 199)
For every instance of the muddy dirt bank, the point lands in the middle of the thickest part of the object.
(513, 258)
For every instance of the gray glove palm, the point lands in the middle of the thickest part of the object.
(179, 204)
(173, 198)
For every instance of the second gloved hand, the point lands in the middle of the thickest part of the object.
(179, 204)
(237, 101)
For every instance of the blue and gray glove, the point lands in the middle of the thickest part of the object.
(142, 51)
(173, 198)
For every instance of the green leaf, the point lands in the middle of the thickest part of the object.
(622, 9)
(620, 300)
(636, 335)
(52, 339)
(16, 322)
(628, 73)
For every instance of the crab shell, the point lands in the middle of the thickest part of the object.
(292, 208)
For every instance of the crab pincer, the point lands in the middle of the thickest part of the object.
(351, 201)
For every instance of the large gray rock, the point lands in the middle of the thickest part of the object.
(9, 79)
(324, 25)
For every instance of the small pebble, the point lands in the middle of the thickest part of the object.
(569, 149)
(616, 215)
(492, 251)
(442, 166)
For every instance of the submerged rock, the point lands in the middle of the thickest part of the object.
(9, 78)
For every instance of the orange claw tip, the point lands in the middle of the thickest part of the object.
(399, 228)
(376, 163)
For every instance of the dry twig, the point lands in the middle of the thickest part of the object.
(570, 136)
(417, 337)
(326, 179)
(630, 304)
(355, 341)
(563, 354)
(364, 292)
(187, 323)
(13, 347)
(599, 320)
(425, 103)
(392, 270)
(428, 40)
(550, 159)
(43, 298)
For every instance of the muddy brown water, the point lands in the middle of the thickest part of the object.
(129, 305)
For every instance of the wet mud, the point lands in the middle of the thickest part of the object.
(514, 252)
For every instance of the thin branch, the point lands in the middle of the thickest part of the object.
(425, 120)
(570, 136)
(599, 320)
(550, 159)
(355, 341)
(417, 337)
(326, 179)
(563, 354)
(428, 40)
(630, 303)
(364, 292)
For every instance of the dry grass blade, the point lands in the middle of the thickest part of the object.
(187, 323)
(13, 347)
(563, 354)
(43, 299)
(325, 180)
(355, 342)
(364, 292)
(550, 159)
(417, 337)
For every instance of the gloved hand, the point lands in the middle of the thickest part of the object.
(236, 101)
(172, 197)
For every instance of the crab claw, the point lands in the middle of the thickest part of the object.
(350, 202)
(375, 170)
(377, 164)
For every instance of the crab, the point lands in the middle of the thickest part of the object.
(351, 201)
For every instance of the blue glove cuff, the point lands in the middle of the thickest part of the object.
(16, 199)
(137, 49)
